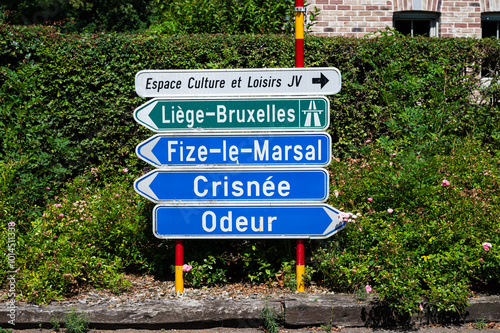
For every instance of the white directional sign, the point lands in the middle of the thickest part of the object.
(238, 82)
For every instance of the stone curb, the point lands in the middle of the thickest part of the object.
(296, 311)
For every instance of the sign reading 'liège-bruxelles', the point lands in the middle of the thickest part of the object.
(209, 114)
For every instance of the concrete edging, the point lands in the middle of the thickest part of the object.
(299, 310)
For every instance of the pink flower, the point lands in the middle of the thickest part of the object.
(368, 288)
(125, 170)
(486, 246)
(445, 183)
(421, 307)
(57, 205)
(336, 193)
(61, 215)
(368, 141)
(390, 210)
(370, 199)
(186, 268)
(480, 259)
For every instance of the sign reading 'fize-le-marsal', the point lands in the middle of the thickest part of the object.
(238, 82)
(246, 221)
(235, 113)
(230, 185)
(236, 150)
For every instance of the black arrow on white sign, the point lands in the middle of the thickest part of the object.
(320, 80)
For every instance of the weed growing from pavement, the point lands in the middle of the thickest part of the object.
(479, 324)
(75, 322)
(271, 320)
(56, 323)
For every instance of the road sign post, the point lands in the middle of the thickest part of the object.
(299, 63)
(226, 137)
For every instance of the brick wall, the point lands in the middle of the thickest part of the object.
(356, 18)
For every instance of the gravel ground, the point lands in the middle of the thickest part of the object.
(146, 287)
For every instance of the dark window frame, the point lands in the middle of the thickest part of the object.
(430, 19)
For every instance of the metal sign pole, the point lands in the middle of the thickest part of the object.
(299, 62)
(179, 262)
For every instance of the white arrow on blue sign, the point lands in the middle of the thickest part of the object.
(236, 150)
(230, 185)
(246, 221)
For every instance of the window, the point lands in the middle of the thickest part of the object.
(490, 28)
(416, 23)
(490, 24)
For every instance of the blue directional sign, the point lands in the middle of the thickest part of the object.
(246, 221)
(256, 149)
(240, 185)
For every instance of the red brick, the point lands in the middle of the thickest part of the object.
(344, 7)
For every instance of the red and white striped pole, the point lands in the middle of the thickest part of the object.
(299, 63)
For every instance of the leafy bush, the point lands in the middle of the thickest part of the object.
(422, 220)
(230, 16)
(87, 237)
(93, 16)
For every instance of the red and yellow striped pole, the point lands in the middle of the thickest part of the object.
(179, 262)
(301, 265)
(300, 268)
(299, 33)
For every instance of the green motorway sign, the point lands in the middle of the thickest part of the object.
(235, 114)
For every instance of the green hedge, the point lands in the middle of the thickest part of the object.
(67, 100)
(66, 104)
